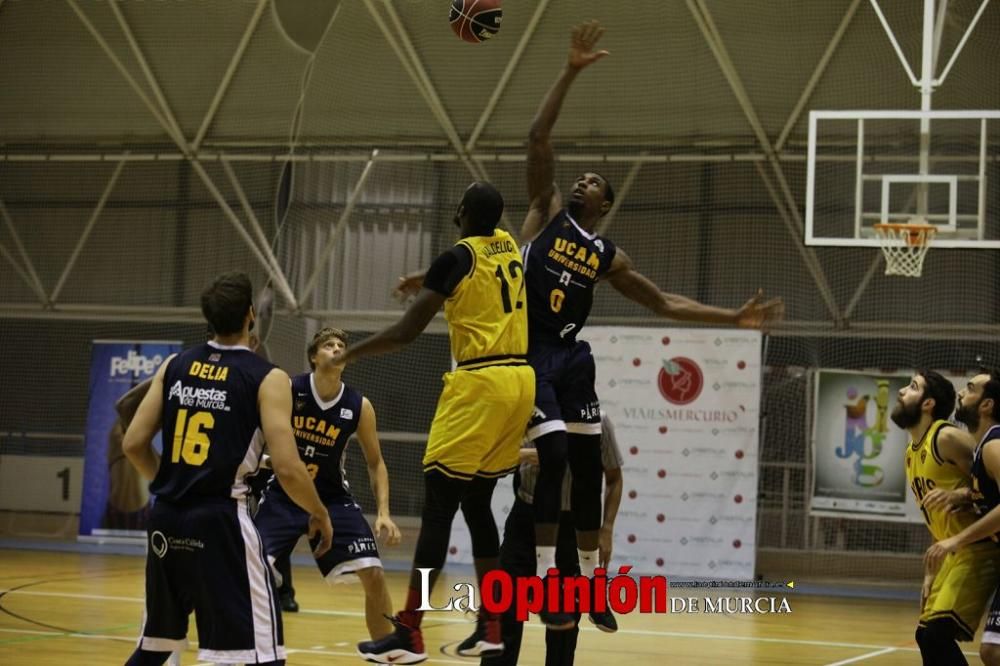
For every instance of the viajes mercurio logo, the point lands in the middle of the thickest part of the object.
(680, 380)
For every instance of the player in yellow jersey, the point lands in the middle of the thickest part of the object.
(979, 409)
(481, 415)
(939, 456)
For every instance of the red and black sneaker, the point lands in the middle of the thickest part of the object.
(403, 646)
(486, 640)
(555, 617)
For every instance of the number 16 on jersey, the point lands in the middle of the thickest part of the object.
(191, 442)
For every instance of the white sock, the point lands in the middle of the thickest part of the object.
(588, 561)
(545, 558)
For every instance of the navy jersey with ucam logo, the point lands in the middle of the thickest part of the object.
(211, 423)
(985, 492)
(322, 430)
(562, 266)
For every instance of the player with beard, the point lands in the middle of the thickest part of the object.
(939, 456)
(979, 409)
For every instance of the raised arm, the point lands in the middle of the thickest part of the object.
(438, 282)
(544, 199)
(275, 404)
(409, 285)
(377, 473)
(400, 334)
(755, 313)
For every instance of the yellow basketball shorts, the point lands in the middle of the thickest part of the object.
(480, 421)
(962, 588)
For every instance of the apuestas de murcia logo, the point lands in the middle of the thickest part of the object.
(202, 398)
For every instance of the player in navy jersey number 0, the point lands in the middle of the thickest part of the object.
(564, 260)
(325, 414)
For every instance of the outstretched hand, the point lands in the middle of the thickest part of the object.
(758, 313)
(581, 50)
(408, 286)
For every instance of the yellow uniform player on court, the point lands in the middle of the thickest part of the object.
(939, 457)
(481, 415)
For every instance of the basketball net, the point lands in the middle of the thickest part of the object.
(904, 246)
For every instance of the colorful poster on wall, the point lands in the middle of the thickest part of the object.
(115, 499)
(858, 451)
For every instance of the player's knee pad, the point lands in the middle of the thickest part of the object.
(551, 470)
(483, 534)
(939, 643)
(478, 512)
(588, 474)
(941, 629)
(442, 496)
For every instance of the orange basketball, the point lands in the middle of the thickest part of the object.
(475, 21)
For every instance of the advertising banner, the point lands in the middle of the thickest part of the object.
(115, 498)
(686, 406)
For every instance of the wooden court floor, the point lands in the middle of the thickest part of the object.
(69, 608)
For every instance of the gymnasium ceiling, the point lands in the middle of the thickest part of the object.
(88, 85)
(92, 75)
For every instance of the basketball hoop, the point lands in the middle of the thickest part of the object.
(905, 246)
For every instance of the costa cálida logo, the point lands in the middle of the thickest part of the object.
(680, 380)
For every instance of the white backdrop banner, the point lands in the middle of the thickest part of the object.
(686, 409)
(686, 406)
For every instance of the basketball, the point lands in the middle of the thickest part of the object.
(475, 21)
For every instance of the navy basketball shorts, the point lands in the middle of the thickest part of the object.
(991, 632)
(206, 556)
(282, 523)
(565, 397)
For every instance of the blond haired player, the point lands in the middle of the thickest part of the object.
(482, 412)
(939, 457)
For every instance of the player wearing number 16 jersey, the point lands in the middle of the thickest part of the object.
(482, 412)
(216, 403)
